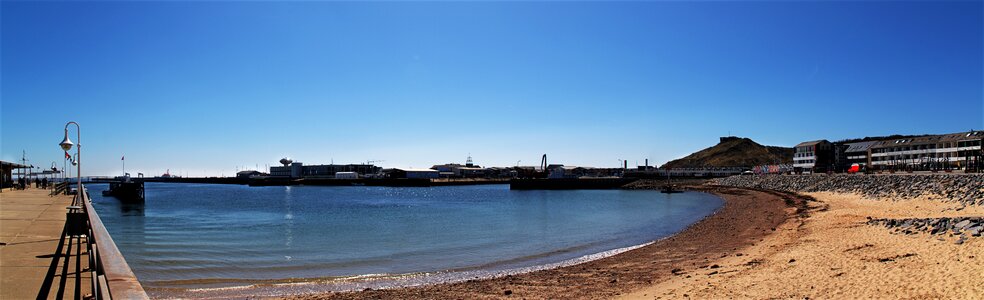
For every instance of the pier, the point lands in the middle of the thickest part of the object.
(54, 246)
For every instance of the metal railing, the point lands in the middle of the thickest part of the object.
(111, 275)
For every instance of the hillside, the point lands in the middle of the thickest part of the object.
(734, 152)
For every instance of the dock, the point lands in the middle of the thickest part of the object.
(44, 254)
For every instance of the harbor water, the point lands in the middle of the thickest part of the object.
(215, 235)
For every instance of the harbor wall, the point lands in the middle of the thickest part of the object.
(569, 183)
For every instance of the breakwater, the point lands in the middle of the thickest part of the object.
(569, 183)
(966, 189)
(215, 180)
(284, 181)
(391, 182)
(963, 226)
(658, 184)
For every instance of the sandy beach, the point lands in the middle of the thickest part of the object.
(834, 254)
(747, 218)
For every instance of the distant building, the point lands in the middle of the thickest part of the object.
(332, 170)
(293, 170)
(813, 157)
(562, 171)
(411, 173)
(247, 174)
(501, 172)
(847, 154)
(773, 169)
(460, 171)
(455, 170)
(299, 170)
(929, 153)
(613, 172)
(939, 152)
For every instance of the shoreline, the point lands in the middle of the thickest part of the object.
(745, 218)
(278, 288)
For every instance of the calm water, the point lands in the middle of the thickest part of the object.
(188, 232)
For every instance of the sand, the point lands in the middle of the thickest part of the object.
(833, 254)
(747, 218)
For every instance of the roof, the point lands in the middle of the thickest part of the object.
(12, 165)
(931, 139)
(860, 146)
(963, 136)
(811, 143)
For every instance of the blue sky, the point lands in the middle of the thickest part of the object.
(203, 87)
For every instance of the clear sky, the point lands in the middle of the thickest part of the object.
(203, 87)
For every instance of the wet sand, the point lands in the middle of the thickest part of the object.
(833, 254)
(745, 220)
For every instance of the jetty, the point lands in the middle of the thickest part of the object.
(569, 183)
(54, 246)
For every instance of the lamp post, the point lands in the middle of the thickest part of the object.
(56, 174)
(66, 145)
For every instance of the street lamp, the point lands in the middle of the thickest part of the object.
(66, 145)
(57, 173)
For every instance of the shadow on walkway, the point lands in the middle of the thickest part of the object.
(70, 266)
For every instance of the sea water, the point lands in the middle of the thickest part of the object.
(216, 235)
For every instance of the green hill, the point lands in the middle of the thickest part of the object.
(734, 152)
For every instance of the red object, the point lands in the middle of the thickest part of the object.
(854, 168)
(67, 156)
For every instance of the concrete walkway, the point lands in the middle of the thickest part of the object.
(31, 226)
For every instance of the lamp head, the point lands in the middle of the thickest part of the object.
(66, 144)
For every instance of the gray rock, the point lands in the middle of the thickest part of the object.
(975, 231)
(962, 225)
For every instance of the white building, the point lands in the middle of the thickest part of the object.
(932, 152)
(813, 156)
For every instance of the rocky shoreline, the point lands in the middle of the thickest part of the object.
(656, 184)
(965, 189)
(964, 227)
